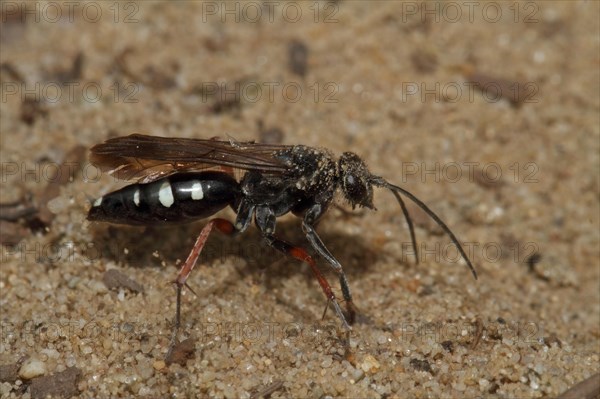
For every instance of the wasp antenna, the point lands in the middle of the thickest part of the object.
(378, 181)
(411, 227)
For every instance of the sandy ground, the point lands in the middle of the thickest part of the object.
(514, 174)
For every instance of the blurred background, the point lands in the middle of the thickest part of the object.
(487, 111)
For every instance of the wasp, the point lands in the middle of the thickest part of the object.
(183, 179)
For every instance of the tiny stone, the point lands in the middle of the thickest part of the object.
(107, 343)
(459, 386)
(145, 369)
(73, 282)
(369, 364)
(159, 365)
(448, 346)
(57, 204)
(539, 368)
(9, 372)
(98, 287)
(51, 353)
(357, 375)
(5, 389)
(32, 368)
(114, 279)
(63, 384)
(421, 365)
(147, 344)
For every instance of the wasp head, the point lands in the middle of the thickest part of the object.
(355, 180)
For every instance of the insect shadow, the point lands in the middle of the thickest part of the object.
(142, 247)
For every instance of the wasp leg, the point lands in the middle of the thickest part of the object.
(313, 214)
(265, 220)
(301, 255)
(224, 226)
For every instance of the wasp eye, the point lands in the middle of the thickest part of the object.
(354, 190)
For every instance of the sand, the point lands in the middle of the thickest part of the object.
(513, 173)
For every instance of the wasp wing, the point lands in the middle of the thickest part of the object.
(147, 158)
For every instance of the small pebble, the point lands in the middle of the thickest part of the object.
(159, 365)
(73, 282)
(98, 287)
(369, 364)
(327, 362)
(357, 375)
(32, 368)
(144, 368)
(51, 353)
(5, 389)
(107, 343)
(460, 386)
(298, 57)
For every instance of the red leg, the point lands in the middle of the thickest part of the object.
(224, 226)
(303, 256)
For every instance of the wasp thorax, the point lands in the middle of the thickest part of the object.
(355, 183)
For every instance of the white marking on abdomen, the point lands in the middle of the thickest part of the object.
(165, 194)
(98, 202)
(136, 197)
(197, 193)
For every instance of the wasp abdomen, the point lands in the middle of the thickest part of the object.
(179, 198)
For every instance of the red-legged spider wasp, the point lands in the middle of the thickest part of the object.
(182, 180)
